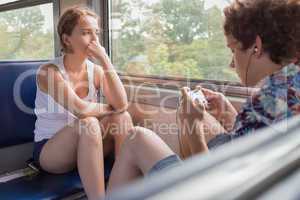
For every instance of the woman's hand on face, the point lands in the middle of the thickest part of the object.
(189, 109)
(220, 107)
(97, 52)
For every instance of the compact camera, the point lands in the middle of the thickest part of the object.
(197, 94)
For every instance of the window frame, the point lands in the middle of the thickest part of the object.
(232, 88)
(30, 3)
(102, 8)
(174, 83)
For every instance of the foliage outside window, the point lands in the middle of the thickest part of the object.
(27, 33)
(170, 38)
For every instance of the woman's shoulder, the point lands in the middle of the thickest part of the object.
(53, 65)
(50, 65)
(48, 71)
(47, 68)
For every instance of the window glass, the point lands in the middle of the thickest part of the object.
(27, 33)
(170, 38)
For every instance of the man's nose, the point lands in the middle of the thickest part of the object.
(232, 64)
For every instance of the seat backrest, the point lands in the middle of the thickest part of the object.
(17, 96)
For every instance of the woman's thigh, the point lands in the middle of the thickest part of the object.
(59, 154)
(146, 148)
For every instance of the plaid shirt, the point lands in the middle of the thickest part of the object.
(278, 98)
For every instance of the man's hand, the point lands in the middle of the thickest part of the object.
(220, 108)
(189, 109)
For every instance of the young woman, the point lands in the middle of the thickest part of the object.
(264, 36)
(72, 128)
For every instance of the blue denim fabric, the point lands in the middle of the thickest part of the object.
(166, 163)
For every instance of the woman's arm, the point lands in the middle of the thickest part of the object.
(110, 82)
(50, 81)
(112, 88)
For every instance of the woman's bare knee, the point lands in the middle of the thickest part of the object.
(137, 137)
(90, 131)
(145, 148)
(120, 117)
(140, 133)
(119, 125)
(132, 144)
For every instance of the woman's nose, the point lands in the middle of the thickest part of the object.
(94, 37)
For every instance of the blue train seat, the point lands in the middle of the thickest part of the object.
(17, 95)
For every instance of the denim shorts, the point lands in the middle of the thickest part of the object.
(166, 163)
(219, 140)
(37, 148)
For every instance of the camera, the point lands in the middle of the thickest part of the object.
(197, 94)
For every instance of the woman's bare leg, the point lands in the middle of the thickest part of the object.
(140, 151)
(81, 144)
(115, 127)
(90, 160)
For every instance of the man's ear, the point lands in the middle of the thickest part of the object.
(258, 50)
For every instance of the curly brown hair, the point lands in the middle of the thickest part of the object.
(69, 20)
(277, 22)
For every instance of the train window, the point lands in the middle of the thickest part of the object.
(167, 38)
(27, 33)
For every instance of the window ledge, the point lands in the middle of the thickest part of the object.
(232, 89)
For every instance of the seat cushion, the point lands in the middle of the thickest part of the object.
(48, 186)
(42, 186)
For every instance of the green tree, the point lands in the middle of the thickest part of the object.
(172, 38)
(23, 37)
(183, 20)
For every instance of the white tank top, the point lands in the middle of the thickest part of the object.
(51, 117)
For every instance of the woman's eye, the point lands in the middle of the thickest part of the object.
(90, 32)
